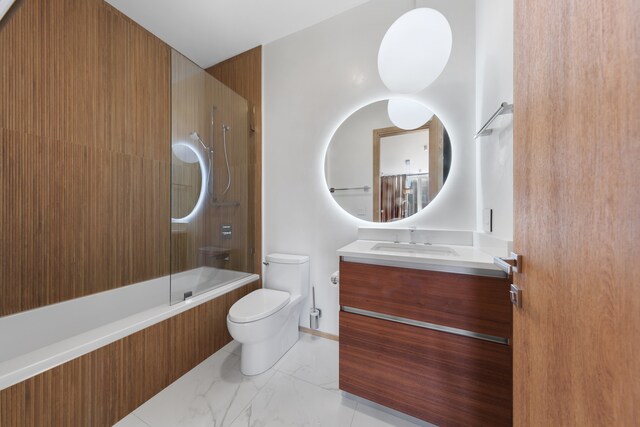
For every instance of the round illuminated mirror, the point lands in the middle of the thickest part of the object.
(379, 172)
(188, 172)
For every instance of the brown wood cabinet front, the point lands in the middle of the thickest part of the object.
(440, 377)
(445, 379)
(473, 303)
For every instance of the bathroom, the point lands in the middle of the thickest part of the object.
(167, 167)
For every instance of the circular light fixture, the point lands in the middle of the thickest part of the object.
(185, 152)
(407, 114)
(415, 50)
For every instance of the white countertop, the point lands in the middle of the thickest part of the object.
(465, 260)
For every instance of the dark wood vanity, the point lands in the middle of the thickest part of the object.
(430, 344)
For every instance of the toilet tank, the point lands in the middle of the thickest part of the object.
(286, 272)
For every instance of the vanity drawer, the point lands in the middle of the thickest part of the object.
(438, 377)
(471, 303)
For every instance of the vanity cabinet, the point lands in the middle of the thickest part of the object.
(431, 344)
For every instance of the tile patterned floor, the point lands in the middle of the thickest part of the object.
(300, 390)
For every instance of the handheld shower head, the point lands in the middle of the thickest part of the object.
(196, 137)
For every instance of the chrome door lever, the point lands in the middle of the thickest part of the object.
(510, 265)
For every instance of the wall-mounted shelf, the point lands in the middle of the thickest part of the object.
(505, 108)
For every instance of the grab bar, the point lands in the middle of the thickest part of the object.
(365, 188)
(505, 108)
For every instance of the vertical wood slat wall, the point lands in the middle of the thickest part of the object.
(243, 74)
(85, 187)
(102, 387)
(84, 157)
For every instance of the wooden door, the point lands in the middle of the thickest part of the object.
(577, 212)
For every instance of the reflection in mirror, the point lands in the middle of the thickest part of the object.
(187, 183)
(378, 172)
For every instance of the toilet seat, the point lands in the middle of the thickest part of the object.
(258, 305)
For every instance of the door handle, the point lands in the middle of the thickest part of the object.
(510, 265)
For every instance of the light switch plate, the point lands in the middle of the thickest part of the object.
(487, 220)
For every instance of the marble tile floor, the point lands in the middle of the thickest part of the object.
(300, 390)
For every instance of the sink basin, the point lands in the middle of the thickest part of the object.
(407, 248)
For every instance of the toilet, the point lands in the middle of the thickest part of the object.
(266, 321)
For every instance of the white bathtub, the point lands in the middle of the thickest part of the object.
(37, 340)
(199, 280)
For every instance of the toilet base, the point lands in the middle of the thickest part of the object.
(257, 358)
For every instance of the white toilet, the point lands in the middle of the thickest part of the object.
(265, 322)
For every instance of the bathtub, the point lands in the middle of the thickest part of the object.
(199, 280)
(35, 341)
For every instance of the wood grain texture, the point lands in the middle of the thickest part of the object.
(243, 74)
(84, 133)
(576, 212)
(473, 303)
(103, 386)
(441, 378)
(436, 157)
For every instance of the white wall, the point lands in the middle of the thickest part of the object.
(494, 84)
(316, 78)
(395, 150)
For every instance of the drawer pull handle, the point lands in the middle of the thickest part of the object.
(426, 325)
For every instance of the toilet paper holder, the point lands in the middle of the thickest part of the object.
(316, 313)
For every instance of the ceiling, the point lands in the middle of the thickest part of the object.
(210, 31)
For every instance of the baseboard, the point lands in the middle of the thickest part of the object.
(318, 333)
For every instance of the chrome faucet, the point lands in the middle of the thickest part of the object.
(412, 231)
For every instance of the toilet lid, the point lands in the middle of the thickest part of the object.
(257, 305)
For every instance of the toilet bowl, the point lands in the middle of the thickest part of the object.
(265, 322)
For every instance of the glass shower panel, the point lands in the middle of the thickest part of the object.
(211, 140)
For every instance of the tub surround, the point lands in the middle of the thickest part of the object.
(61, 332)
(101, 387)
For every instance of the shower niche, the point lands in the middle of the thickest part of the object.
(211, 211)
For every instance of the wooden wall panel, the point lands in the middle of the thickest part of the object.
(243, 74)
(101, 387)
(84, 137)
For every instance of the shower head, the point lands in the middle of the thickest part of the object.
(226, 128)
(196, 137)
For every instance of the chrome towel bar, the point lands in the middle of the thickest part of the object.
(505, 108)
(365, 188)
